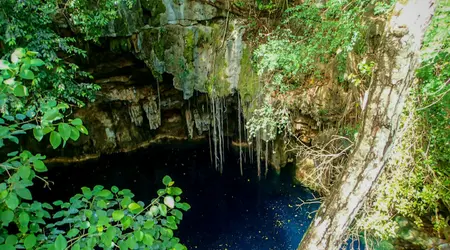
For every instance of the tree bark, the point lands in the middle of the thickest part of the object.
(397, 60)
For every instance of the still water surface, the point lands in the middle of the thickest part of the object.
(228, 211)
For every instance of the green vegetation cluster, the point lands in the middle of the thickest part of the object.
(416, 184)
(40, 82)
(310, 35)
(313, 39)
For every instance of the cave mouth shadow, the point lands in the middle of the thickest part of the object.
(229, 211)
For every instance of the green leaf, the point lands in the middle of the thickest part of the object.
(178, 214)
(24, 172)
(7, 216)
(166, 180)
(111, 232)
(101, 204)
(184, 206)
(47, 206)
(72, 233)
(39, 166)
(31, 113)
(21, 117)
(149, 224)
(174, 190)
(154, 210)
(7, 247)
(38, 133)
(65, 130)
(126, 222)
(118, 215)
(74, 133)
(131, 242)
(179, 246)
(24, 219)
(24, 193)
(138, 235)
(77, 122)
(125, 202)
(4, 64)
(134, 207)
(52, 115)
(36, 62)
(26, 74)
(87, 192)
(30, 241)
(76, 247)
(9, 117)
(28, 126)
(162, 209)
(12, 201)
(148, 240)
(82, 129)
(58, 203)
(55, 139)
(20, 90)
(18, 53)
(114, 189)
(104, 193)
(11, 240)
(60, 243)
(12, 154)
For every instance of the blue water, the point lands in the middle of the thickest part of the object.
(228, 211)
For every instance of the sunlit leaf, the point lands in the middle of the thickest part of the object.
(55, 139)
(60, 243)
(26, 74)
(39, 166)
(30, 241)
(20, 90)
(166, 180)
(118, 215)
(12, 201)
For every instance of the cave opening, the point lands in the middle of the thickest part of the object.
(228, 210)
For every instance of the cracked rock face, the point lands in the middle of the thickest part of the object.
(197, 43)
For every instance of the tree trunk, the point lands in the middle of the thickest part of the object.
(397, 60)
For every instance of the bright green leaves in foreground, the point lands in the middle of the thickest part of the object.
(96, 217)
(16, 81)
(105, 218)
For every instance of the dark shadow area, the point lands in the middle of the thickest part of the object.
(228, 211)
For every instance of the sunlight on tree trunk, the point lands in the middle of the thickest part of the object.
(397, 60)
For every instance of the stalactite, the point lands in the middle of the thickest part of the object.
(266, 158)
(214, 123)
(220, 129)
(209, 132)
(240, 134)
(159, 97)
(258, 154)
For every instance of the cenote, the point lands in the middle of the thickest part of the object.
(228, 211)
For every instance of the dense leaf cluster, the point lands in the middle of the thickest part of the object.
(39, 84)
(97, 217)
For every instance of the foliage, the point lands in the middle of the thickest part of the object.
(97, 217)
(34, 25)
(268, 121)
(417, 180)
(37, 91)
(310, 34)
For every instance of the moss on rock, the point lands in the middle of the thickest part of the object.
(248, 83)
(156, 8)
